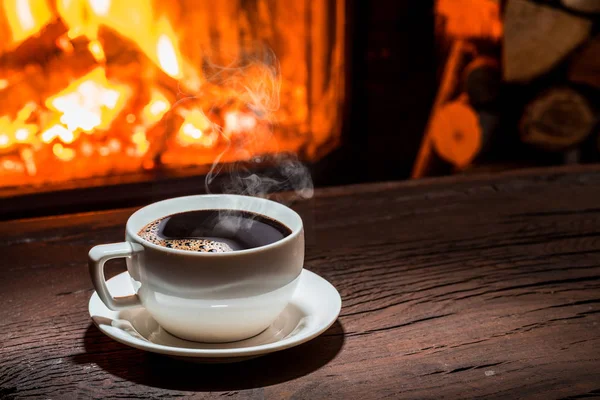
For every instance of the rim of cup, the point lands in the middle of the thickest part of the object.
(295, 232)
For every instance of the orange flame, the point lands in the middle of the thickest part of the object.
(156, 108)
(167, 51)
(196, 129)
(26, 17)
(97, 51)
(140, 141)
(89, 103)
(133, 19)
(17, 131)
(239, 122)
(57, 131)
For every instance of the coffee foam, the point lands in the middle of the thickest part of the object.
(150, 233)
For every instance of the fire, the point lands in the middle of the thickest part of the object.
(17, 131)
(79, 17)
(93, 83)
(156, 108)
(97, 51)
(89, 103)
(140, 141)
(26, 17)
(63, 153)
(167, 53)
(196, 129)
(100, 7)
(57, 131)
(134, 19)
(239, 122)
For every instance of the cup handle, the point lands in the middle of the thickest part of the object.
(99, 255)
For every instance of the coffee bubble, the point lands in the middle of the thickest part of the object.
(151, 233)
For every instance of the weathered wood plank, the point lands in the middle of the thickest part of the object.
(460, 287)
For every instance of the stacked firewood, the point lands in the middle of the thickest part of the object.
(526, 95)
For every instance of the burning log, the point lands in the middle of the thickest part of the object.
(118, 50)
(556, 120)
(35, 49)
(537, 37)
(456, 133)
(61, 70)
(481, 81)
(585, 67)
(35, 83)
(21, 91)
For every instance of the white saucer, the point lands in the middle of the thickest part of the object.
(314, 307)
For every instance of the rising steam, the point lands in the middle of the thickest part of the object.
(252, 87)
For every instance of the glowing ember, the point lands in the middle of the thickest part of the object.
(155, 109)
(89, 103)
(63, 153)
(188, 129)
(22, 134)
(196, 129)
(96, 49)
(27, 156)
(57, 131)
(141, 142)
(87, 149)
(17, 131)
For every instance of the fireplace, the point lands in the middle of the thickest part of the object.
(104, 91)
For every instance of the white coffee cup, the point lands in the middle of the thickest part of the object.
(206, 297)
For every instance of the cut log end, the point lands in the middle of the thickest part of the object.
(481, 81)
(558, 119)
(537, 37)
(456, 133)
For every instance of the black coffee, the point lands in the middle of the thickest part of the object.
(214, 231)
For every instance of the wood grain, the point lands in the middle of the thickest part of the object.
(537, 37)
(462, 287)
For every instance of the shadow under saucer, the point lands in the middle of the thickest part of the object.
(159, 371)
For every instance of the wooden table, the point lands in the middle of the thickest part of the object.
(455, 288)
